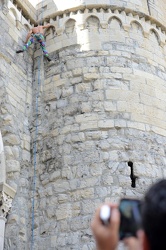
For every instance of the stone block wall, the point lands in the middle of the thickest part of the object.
(15, 110)
(158, 10)
(102, 107)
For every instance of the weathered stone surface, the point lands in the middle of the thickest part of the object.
(12, 166)
(71, 126)
(12, 139)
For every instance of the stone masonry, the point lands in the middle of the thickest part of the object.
(72, 127)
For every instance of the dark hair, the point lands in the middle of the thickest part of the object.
(154, 216)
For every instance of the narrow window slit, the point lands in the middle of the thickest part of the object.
(132, 176)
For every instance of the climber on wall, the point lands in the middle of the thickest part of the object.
(36, 33)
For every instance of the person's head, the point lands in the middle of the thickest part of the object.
(154, 216)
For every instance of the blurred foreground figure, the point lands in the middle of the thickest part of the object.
(152, 236)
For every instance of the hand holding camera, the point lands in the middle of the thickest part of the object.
(130, 217)
(105, 214)
(108, 229)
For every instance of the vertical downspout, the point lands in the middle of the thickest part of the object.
(2, 180)
(2, 231)
(148, 7)
(2, 162)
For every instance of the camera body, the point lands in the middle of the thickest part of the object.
(130, 217)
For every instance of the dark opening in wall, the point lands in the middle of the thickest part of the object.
(132, 176)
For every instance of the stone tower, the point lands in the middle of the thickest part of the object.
(85, 128)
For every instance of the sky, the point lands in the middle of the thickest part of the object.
(34, 2)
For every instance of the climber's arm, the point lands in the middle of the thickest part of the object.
(46, 26)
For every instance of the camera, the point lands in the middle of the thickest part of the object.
(130, 217)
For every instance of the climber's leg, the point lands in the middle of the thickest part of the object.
(26, 46)
(43, 46)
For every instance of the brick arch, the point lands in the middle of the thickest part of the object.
(70, 25)
(27, 27)
(115, 18)
(138, 24)
(49, 28)
(49, 31)
(92, 22)
(157, 36)
(13, 11)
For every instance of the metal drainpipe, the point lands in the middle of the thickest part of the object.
(2, 231)
(148, 7)
(2, 161)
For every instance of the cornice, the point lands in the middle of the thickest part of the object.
(100, 8)
(104, 13)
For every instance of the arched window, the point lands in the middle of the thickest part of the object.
(70, 26)
(92, 23)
